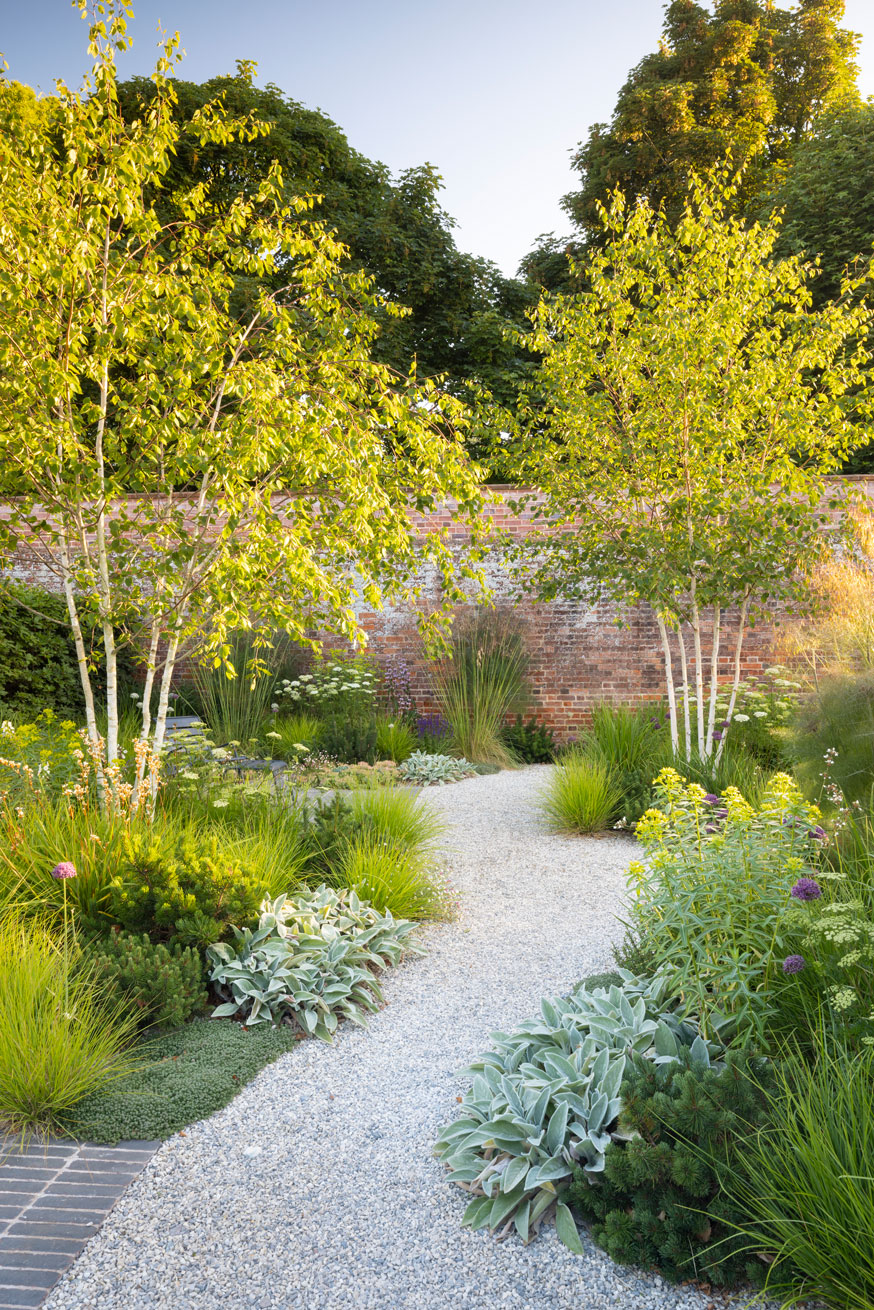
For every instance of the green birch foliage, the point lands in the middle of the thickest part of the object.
(690, 405)
(185, 472)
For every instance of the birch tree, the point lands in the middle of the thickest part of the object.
(690, 407)
(183, 470)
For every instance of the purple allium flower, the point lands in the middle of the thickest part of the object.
(817, 833)
(793, 964)
(806, 889)
(711, 827)
(64, 870)
(711, 799)
(717, 736)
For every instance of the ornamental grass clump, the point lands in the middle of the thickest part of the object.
(713, 899)
(582, 794)
(61, 1038)
(481, 683)
(632, 743)
(806, 1185)
(392, 879)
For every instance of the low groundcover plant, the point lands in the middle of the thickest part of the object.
(309, 962)
(546, 1100)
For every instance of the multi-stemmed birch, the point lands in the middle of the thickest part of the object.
(186, 452)
(690, 407)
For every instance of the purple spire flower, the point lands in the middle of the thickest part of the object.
(64, 870)
(806, 889)
(794, 963)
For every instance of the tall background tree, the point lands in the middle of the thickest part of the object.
(749, 79)
(394, 229)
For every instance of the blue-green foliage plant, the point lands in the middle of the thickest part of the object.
(545, 1100)
(425, 770)
(310, 962)
(712, 901)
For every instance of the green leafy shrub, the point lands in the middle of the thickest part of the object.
(332, 825)
(190, 892)
(163, 983)
(309, 963)
(713, 903)
(547, 1100)
(60, 1037)
(530, 742)
(425, 770)
(659, 1202)
(581, 795)
(40, 759)
(483, 679)
(806, 1190)
(182, 1076)
(395, 740)
(350, 741)
(38, 664)
(763, 710)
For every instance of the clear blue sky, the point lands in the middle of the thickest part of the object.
(495, 93)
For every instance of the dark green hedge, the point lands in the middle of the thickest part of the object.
(38, 667)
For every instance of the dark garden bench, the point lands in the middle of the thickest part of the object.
(186, 730)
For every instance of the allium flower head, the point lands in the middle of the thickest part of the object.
(807, 889)
(817, 833)
(794, 963)
(64, 870)
(711, 798)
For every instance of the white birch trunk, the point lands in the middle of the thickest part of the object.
(714, 677)
(695, 625)
(669, 679)
(163, 702)
(741, 631)
(145, 728)
(684, 673)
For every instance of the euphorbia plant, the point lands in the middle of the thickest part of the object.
(690, 406)
(188, 450)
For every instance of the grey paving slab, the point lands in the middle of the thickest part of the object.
(54, 1195)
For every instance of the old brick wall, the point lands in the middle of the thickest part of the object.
(580, 655)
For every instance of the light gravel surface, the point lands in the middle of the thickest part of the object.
(316, 1187)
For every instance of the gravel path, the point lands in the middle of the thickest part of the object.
(316, 1187)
